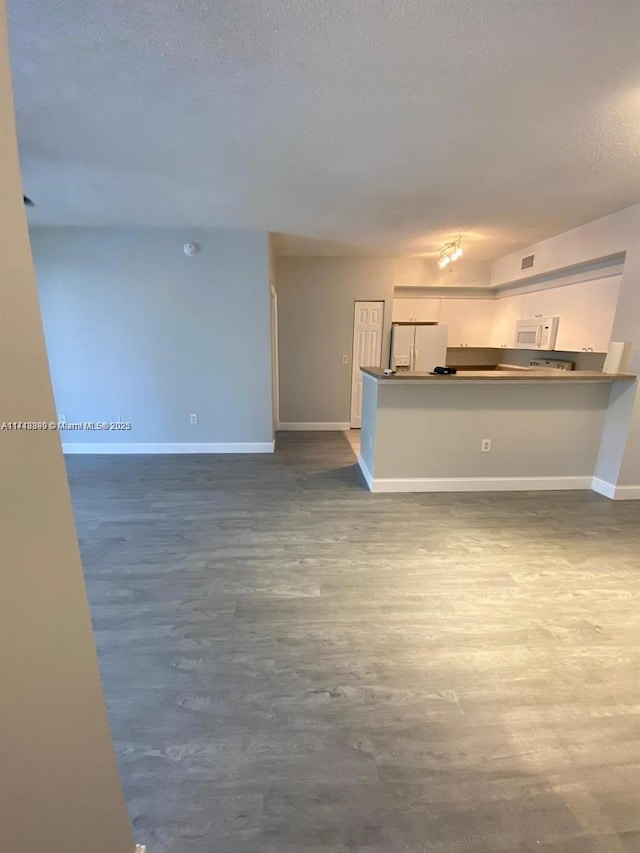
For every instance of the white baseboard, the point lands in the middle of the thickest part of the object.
(472, 484)
(616, 493)
(366, 473)
(169, 447)
(315, 426)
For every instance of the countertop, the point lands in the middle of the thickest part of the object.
(500, 376)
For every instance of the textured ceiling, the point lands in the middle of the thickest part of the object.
(367, 126)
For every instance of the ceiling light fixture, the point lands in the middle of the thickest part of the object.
(450, 252)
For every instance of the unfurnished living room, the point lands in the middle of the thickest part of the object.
(319, 426)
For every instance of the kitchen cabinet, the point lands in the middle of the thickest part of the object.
(542, 303)
(507, 311)
(572, 306)
(469, 321)
(605, 302)
(586, 311)
(416, 310)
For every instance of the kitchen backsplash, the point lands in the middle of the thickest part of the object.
(463, 356)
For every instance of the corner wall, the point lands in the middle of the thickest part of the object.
(316, 299)
(59, 786)
(139, 332)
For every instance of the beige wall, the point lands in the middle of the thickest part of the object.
(60, 791)
(315, 329)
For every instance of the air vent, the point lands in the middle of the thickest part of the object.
(527, 263)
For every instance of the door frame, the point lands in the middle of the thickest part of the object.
(275, 368)
(356, 302)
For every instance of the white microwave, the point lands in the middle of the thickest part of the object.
(536, 333)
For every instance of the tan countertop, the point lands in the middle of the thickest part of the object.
(500, 376)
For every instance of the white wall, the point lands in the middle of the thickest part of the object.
(59, 786)
(601, 238)
(619, 460)
(315, 328)
(425, 272)
(136, 329)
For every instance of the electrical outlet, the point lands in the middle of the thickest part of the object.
(485, 447)
(193, 418)
(345, 359)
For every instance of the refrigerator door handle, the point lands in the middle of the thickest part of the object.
(415, 359)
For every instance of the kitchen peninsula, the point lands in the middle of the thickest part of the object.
(424, 433)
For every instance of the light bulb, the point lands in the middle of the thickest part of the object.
(458, 252)
(445, 260)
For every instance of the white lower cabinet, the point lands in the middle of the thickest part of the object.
(469, 320)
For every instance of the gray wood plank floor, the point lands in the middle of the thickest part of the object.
(294, 664)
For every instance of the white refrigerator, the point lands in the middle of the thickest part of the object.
(417, 347)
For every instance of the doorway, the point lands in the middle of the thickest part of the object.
(275, 380)
(367, 350)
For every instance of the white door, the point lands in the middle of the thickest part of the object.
(367, 350)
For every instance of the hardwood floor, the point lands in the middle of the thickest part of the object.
(294, 664)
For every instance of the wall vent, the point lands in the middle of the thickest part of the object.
(527, 263)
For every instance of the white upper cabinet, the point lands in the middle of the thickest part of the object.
(508, 310)
(469, 320)
(427, 310)
(572, 304)
(604, 301)
(542, 303)
(403, 310)
(416, 310)
(586, 311)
